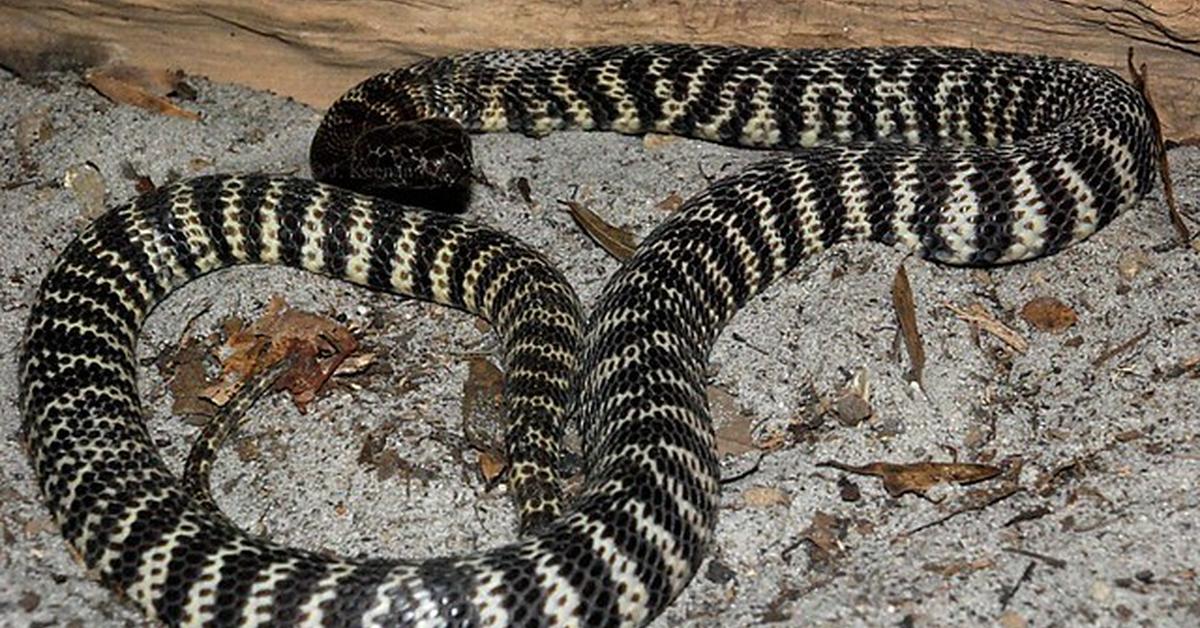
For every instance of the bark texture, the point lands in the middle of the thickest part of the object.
(316, 49)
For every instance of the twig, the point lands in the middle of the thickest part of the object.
(1008, 595)
(1057, 563)
(747, 473)
(1121, 348)
(1002, 495)
(1141, 77)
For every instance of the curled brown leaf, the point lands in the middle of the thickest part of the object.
(138, 87)
(919, 477)
(618, 242)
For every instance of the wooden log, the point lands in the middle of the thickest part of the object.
(314, 50)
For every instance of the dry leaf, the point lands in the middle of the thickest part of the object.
(188, 381)
(491, 466)
(160, 82)
(671, 203)
(825, 533)
(483, 402)
(387, 463)
(906, 315)
(619, 243)
(764, 496)
(651, 141)
(317, 344)
(734, 428)
(1048, 314)
(976, 315)
(136, 87)
(375, 454)
(29, 601)
(483, 417)
(918, 477)
(142, 183)
(248, 450)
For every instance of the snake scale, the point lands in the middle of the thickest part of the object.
(967, 157)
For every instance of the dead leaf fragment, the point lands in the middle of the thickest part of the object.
(38, 525)
(137, 87)
(919, 477)
(617, 242)
(187, 378)
(376, 454)
(651, 141)
(906, 315)
(848, 490)
(484, 420)
(355, 364)
(734, 436)
(491, 466)
(824, 533)
(142, 183)
(765, 496)
(671, 203)
(1185, 366)
(483, 402)
(317, 346)
(1049, 314)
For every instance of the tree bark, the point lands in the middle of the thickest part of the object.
(315, 50)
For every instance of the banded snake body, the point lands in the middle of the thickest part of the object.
(967, 157)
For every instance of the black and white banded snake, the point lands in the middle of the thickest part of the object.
(966, 157)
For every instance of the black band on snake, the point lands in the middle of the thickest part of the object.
(967, 157)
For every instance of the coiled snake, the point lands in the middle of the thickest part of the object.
(967, 157)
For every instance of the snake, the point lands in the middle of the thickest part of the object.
(967, 157)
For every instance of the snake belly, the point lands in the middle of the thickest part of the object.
(967, 157)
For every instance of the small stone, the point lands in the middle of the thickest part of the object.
(1131, 263)
(851, 410)
(848, 490)
(29, 601)
(1145, 576)
(1101, 591)
(1011, 619)
(719, 572)
(88, 187)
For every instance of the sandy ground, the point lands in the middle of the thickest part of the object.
(1100, 525)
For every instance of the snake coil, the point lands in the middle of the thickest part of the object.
(968, 157)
